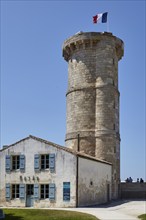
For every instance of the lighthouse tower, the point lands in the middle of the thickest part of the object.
(92, 120)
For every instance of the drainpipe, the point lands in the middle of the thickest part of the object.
(77, 169)
(78, 144)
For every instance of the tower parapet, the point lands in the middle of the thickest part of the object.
(93, 97)
(90, 39)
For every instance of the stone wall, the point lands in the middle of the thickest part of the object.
(93, 97)
(133, 190)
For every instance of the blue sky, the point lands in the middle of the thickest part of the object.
(34, 73)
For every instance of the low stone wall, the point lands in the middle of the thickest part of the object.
(133, 190)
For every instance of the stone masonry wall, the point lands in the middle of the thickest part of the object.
(133, 191)
(93, 97)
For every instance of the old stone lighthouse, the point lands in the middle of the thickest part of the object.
(93, 97)
(38, 173)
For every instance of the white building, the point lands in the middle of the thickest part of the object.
(37, 173)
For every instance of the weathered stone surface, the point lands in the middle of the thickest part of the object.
(93, 97)
(93, 186)
(133, 190)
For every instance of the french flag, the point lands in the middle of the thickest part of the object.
(100, 18)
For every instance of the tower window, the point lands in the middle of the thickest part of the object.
(91, 183)
(115, 149)
(114, 127)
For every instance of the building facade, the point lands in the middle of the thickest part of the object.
(38, 173)
(93, 97)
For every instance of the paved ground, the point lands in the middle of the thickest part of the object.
(121, 210)
(126, 210)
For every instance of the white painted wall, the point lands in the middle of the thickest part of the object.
(92, 183)
(65, 172)
(92, 179)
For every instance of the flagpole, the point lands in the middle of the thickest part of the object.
(107, 25)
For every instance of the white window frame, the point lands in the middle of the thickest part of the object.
(43, 193)
(44, 162)
(15, 162)
(15, 194)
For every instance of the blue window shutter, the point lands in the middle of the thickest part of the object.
(52, 191)
(22, 162)
(37, 162)
(52, 163)
(36, 191)
(22, 191)
(8, 191)
(8, 163)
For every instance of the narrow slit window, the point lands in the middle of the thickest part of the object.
(114, 127)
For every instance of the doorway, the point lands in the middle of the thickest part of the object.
(108, 192)
(29, 195)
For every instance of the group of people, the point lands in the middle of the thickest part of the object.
(140, 180)
(130, 180)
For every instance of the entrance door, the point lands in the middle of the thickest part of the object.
(29, 195)
(108, 192)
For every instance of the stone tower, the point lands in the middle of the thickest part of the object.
(93, 97)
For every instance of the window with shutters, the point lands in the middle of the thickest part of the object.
(15, 162)
(15, 191)
(44, 161)
(44, 191)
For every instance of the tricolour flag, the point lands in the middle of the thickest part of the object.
(100, 18)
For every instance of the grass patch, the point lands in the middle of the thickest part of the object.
(39, 214)
(142, 217)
